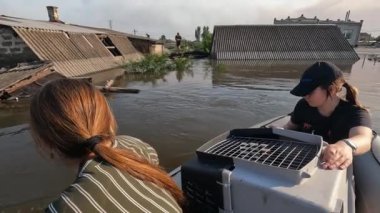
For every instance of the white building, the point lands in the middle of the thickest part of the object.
(350, 29)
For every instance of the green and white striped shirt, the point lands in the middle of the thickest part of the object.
(100, 187)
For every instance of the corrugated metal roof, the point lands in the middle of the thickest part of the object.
(114, 32)
(47, 25)
(123, 44)
(70, 53)
(73, 50)
(75, 54)
(281, 42)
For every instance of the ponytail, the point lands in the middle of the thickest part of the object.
(73, 118)
(138, 167)
(352, 94)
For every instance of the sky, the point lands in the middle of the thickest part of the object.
(167, 17)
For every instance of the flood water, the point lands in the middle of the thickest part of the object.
(175, 113)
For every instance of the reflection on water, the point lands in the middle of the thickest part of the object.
(263, 75)
(175, 113)
(13, 114)
(154, 79)
(274, 67)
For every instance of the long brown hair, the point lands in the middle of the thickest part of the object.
(351, 91)
(66, 113)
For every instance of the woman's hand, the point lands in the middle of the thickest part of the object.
(337, 156)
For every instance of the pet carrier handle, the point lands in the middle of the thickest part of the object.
(319, 155)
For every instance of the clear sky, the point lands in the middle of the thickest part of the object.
(157, 17)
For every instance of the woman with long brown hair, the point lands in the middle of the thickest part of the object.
(72, 120)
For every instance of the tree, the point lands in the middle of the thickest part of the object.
(206, 39)
(198, 33)
(377, 38)
(162, 38)
(205, 31)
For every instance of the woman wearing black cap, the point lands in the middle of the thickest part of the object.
(343, 123)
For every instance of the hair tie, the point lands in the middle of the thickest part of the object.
(91, 142)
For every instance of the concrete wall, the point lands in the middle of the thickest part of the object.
(351, 32)
(157, 49)
(13, 49)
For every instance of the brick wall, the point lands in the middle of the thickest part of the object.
(10, 43)
(13, 49)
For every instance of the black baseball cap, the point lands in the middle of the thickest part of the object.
(318, 74)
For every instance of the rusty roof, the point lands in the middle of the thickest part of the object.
(281, 42)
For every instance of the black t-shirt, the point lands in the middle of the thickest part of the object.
(333, 128)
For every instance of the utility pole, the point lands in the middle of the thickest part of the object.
(110, 23)
(134, 32)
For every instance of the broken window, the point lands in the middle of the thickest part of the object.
(348, 34)
(109, 45)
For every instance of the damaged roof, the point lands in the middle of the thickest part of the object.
(16, 74)
(73, 50)
(25, 79)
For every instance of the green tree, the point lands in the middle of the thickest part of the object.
(198, 33)
(206, 39)
(377, 38)
(205, 31)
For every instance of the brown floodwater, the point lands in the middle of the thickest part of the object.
(175, 113)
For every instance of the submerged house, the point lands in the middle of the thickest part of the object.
(71, 50)
(145, 45)
(281, 42)
(350, 29)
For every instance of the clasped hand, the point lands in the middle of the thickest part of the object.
(337, 156)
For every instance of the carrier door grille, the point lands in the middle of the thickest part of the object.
(274, 152)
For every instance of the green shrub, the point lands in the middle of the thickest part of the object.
(157, 64)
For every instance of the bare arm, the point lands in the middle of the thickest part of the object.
(340, 155)
(361, 136)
